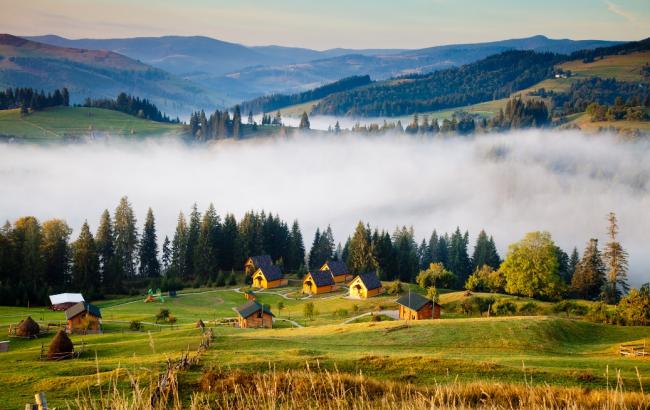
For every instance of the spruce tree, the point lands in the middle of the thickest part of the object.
(229, 233)
(149, 264)
(304, 121)
(126, 237)
(192, 241)
(574, 259)
(360, 257)
(56, 253)
(179, 249)
(206, 262)
(296, 248)
(85, 262)
(589, 276)
(615, 258)
(166, 254)
(110, 269)
(459, 262)
(313, 252)
(485, 252)
(405, 249)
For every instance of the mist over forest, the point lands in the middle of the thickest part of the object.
(563, 182)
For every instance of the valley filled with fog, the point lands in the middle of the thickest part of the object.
(508, 184)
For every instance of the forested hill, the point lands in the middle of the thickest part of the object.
(626, 48)
(276, 101)
(494, 77)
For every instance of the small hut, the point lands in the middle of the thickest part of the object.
(268, 277)
(413, 306)
(254, 314)
(366, 285)
(249, 295)
(338, 269)
(318, 282)
(28, 328)
(84, 318)
(61, 347)
(253, 263)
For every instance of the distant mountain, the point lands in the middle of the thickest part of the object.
(96, 74)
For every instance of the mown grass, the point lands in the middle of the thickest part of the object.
(58, 123)
(621, 67)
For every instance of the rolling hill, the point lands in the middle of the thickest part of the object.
(96, 74)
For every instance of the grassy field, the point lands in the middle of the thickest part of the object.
(622, 67)
(549, 349)
(58, 123)
(584, 122)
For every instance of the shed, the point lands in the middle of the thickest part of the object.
(249, 295)
(338, 269)
(318, 282)
(413, 306)
(253, 314)
(253, 263)
(84, 318)
(269, 277)
(366, 285)
(63, 301)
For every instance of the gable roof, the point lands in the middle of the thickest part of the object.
(336, 267)
(251, 307)
(413, 301)
(322, 277)
(271, 272)
(80, 308)
(66, 298)
(370, 280)
(261, 260)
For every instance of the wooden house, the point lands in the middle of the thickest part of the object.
(339, 271)
(318, 282)
(255, 262)
(253, 314)
(366, 285)
(249, 295)
(269, 277)
(84, 318)
(63, 301)
(413, 306)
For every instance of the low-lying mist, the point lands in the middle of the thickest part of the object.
(563, 182)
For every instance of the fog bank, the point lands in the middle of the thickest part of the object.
(563, 182)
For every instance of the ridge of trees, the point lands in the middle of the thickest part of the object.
(135, 106)
(31, 99)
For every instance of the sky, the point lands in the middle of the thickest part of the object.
(332, 23)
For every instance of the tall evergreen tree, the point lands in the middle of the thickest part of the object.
(296, 248)
(459, 262)
(85, 262)
(424, 255)
(149, 264)
(573, 263)
(110, 270)
(126, 236)
(441, 254)
(589, 276)
(405, 249)
(236, 123)
(179, 249)
(206, 258)
(229, 233)
(193, 232)
(27, 237)
(56, 253)
(166, 254)
(360, 255)
(382, 250)
(304, 121)
(615, 258)
(485, 252)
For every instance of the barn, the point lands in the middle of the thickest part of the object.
(255, 262)
(269, 277)
(63, 301)
(318, 282)
(253, 314)
(366, 285)
(338, 269)
(413, 306)
(84, 318)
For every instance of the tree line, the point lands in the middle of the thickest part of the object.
(218, 126)
(31, 99)
(135, 106)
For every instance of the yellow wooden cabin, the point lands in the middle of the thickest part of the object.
(339, 271)
(268, 277)
(413, 306)
(366, 285)
(83, 318)
(253, 314)
(318, 282)
(253, 263)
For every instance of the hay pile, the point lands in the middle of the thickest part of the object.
(61, 347)
(28, 328)
(200, 324)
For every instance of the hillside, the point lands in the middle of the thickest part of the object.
(63, 123)
(95, 74)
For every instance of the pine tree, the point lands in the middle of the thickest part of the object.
(236, 123)
(56, 252)
(573, 263)
(110, 269)
(166, 254)
(459, 262)
(192, 241)
(85, 262)
(206, 262)
(296, 257)
(405, 250)
(589, 276)
(485, 252)
(304, 121)
(313, 252)
(360, 256)
(229, 233)
(615, 257)
(126, 236)
(149, 264)
(337, 128)
(179, 249)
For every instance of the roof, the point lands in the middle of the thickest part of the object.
(82, 307)
(322, 277)
(336, 267)
(370, 280)
(413, 301)
(66, 298)
(251, 307)
(271, 272)
(261, 260)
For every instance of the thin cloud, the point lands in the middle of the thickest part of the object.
(620, 11)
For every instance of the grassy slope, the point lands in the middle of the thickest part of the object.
(58, 122)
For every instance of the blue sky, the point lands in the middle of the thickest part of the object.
(332, 23)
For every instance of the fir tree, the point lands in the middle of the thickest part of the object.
(166, 254)
(360, 255)
(85, 262)
(206, 262)
(615, 258)
(229, 233)
(179, 248)
(574, 259)
(296, 257)
(304, 121)
(149, 264)
(459, 262)
(126, 236)
(485, 252)
(110, 269)
(589, 276)
(192, 241)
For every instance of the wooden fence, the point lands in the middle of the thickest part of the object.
(634, 349)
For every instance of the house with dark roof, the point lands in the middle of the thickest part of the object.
(249, 295)
(338, 269)
(269, 277)
(84, 317)
(253, 263)
(253, 314)
(317, 282)
(413, 306)
(366, 285)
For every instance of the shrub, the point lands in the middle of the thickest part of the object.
(483, 304)
(341, 313)
(355, 308)
(395, 288)
(599, 313)
(634, 309)
(163, 315)
(135, 325)
(375, 318)
(504, 308)
(569, 307)
(309, 310)
(529, 308)
(436, 275)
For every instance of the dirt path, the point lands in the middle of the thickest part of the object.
(390, 313)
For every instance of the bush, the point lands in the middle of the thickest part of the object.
(341, 313)
(483, 304)
(136, 325)
(599, 313)
(375, 318)
(395, 288)
(569, 307)
(504, 308)
(163, 315)
(436, 275)
(529, 308)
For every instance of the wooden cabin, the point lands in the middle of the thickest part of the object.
(253, 314)
(269, 277)
(84, 318)
(366, 285)
(255, 262)
(413, 306)
(249, 295)
(318, 282)
(339, 271)
(64, 301)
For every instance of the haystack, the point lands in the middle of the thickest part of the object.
(28, 328)
(200, 324)
(61, 347)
